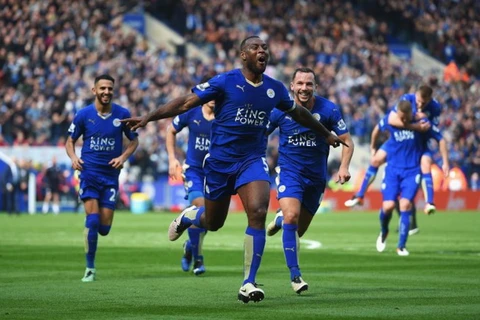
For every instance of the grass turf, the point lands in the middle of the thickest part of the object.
(139, 275)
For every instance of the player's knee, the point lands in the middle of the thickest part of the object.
(104, 230)
(388, 206)
(405, 205)
(214, 225)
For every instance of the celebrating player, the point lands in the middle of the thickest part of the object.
(402, 175)
(244, 99)
(199, 122)
(100, 162)
(302, 177)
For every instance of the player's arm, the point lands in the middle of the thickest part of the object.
(118, 162)
(170, 144)
(347, 154)
(394, 120)
(373, 139)
(70, 148)
(301, 115)
(170, 109)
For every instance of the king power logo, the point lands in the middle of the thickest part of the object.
(249, 116)
(202, 143)
(102, 144)
(303, 140)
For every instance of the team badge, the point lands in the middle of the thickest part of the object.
(116, 122)
(316, 116)
(270, 93)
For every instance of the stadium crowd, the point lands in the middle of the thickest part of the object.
(50, 51)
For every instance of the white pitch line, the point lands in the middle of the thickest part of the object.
(310, 244)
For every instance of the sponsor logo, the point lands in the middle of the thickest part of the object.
(241, 87)
(197, 122)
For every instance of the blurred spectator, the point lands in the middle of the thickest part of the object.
(53, 183)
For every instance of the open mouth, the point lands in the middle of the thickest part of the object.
(262, 59)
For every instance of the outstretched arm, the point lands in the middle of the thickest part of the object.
(170, 143)
(172, 108)
(347, 153)
(301, 115)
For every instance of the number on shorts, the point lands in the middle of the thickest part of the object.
(114, 193)
(265, 164)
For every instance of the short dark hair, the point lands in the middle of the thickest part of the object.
(244, 42)
(305, 70)
(104, 77)
(425, 92)
(404, 106)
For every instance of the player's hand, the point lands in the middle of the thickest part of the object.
(77, 163)
(135, 123)
(446, 169)
(343, 175)
(173, 166)
(335, 141)
(424, 125)
(117, 163)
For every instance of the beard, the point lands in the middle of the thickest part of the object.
(104, 99)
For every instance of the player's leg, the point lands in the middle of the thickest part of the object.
(195, 239)
(409, 187)
(389, 195)
(413, 221)
(377, 160)
(255, 198)
(253, 187)
(427, 182)
(92, 226)
(46, 200)
(56, 201)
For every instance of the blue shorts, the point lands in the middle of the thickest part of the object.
(400, 182)
(102, 188)
(194, 179)
(427, 153)
(307, 191)
(223, 178)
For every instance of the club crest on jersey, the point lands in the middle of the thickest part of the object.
(116, 122)
(203, 86)
(316, 116)
(270, 93)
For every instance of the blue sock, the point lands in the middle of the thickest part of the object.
(367, 180)
(384, 221)
(404, 228)
(195, 235)
(290, 249)
(92, 224)
(253, 251)
(193, 217)
(104, 230)
(427, 186)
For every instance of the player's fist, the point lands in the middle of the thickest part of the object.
(335, 141)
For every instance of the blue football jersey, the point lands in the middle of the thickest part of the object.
(433, 109)
(406, 146)
(198, 134)
(242, 109)
(301, 149)
(102, 137)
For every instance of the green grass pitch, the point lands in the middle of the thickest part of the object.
(139, 274)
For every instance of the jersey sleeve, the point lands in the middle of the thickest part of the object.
(339, 126)
(273, 122)
(180, 121)
(76, 128)
(435, 116)
(131, 135)
(210, 90)
(435, 133)
(383, 124)
(286, 104)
